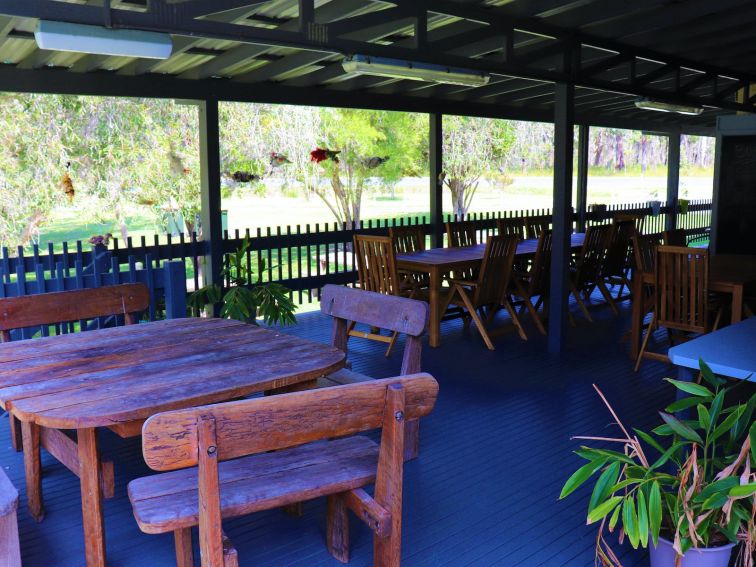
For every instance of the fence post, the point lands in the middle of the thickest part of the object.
(673, 179)
(174, 281)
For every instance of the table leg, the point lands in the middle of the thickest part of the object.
(737, 303)
(91, 497)
(434, 301)
(636, 324)
(33, 469)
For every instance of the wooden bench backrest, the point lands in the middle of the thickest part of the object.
(393, 313)
(248, 427)
(75, 305)
(8, 496)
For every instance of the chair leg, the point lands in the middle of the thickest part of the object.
(337, 527)
(515, 319)
(390, 348)
(581, 304)
(608, 297)
(474, 314)
(644, 346)
(184, 550)
(15, 433)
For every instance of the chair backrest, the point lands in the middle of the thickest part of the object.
(592, 254)
(513, 226)
(259, 425)
(541, 268)
(635, 218)
(644, 251)
(393, 313)
(676, 237)
(461, 233)
(496, 269)
(618, 248)
(682, 288)
(407, 238)
(537, 224)
(376, 264)
(65, 306)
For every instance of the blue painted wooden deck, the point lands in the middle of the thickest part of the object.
(494, 455)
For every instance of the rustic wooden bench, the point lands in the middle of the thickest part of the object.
(10, 552)
(391, 312)
(46, 309)
(264, 453)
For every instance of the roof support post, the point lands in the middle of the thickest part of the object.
(436, 159)
(673, 179)
(564, 124)
(212, 233)
(582, 176)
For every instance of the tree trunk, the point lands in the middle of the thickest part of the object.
(32, 227)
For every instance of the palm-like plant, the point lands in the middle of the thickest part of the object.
(239, 301)
(691, 480)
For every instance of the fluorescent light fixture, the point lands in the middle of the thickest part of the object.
(659, 106)
(63, 36)
(400, 69)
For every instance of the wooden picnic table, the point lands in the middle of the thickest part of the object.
(118, 377)
(436, 262)
(728, 273)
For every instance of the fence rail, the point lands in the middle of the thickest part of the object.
(303, 258)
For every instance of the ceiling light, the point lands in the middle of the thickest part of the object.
(400, 69)
(659, 106)
(79, 38)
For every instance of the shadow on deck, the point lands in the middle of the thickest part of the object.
(494, 455)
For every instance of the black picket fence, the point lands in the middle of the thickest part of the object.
(304, 258)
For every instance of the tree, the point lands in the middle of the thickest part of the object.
(472, 147)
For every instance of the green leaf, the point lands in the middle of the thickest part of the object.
(715, 501)
(667, 455)
(630, 521)
(727, 423)
(691, 388)
(708, 375)
(615, 515)
(642, 519)
(603, 486)
(581, 475)
(655, 511)
(716, 406)
(650, 440)
(703, 417)
(592, 454)
(743, 490)
(600, 511)
(685, 403)
(722, 485)
(680, 428)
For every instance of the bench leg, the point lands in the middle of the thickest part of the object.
(230, 555)
(184, 550)
(337, 527)
(15, 432)
(411, 439)
(33, 469)
(10, 553)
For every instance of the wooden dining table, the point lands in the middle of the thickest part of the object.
(116, 378)
(437, 262)
(729, 274)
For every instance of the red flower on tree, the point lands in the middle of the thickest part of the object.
(318, 155)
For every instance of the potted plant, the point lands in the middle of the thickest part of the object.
(684, 204)
(685, 490)
(243, 302)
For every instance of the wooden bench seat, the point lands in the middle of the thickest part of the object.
(166, 502)
(10, 554)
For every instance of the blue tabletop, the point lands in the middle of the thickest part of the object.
(729, 352)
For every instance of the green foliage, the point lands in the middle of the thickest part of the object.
(699, 492)
(269, 301)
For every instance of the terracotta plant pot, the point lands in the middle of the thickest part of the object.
(664, 556)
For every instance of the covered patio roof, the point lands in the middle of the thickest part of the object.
(290, 51)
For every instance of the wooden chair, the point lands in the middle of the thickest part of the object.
(376, 271)
(397, 314)
(489, 290)
(535, 282)
(616, 268)
(676, 237)
(46, 309)
(637, 219)
(682, 297)
(461, 233)
(512, 226)
(535, 225)
(10, 550)
(253, 455)
(590, 262)
(408, 239)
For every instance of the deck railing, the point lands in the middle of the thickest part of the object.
(303, 258)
